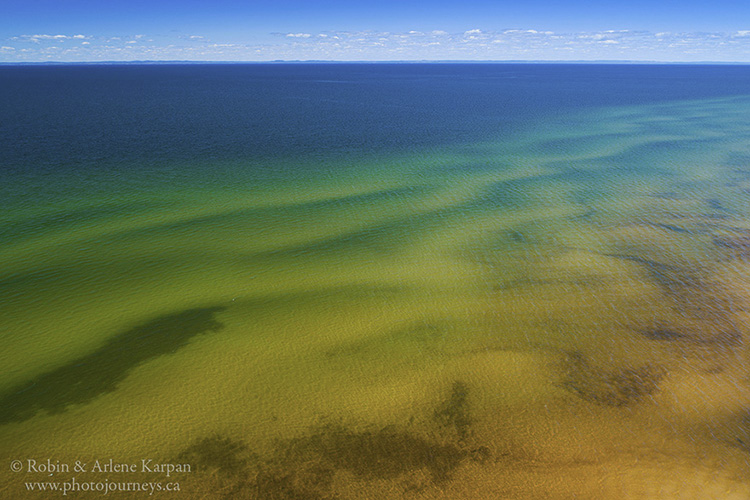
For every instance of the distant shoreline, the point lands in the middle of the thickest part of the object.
(488, 62)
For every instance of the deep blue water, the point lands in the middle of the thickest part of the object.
(148, 116)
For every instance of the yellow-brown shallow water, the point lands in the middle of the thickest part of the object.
(563, 315)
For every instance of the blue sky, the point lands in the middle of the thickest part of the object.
(258, 30)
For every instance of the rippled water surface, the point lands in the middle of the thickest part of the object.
(378, 281)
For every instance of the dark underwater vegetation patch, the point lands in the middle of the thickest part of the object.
(694, 293)
(716, 204)
(719, 332)
(216, 453)
(618, 388)
(519, 240)
(310, 466)
(383, 453)
(673, 228)
(100, 372)
(738, 245)
(663, 334)
(454, 412)
(307, 467)
(683, 285)
(743, 437)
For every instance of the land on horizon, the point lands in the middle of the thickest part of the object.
(406, 61)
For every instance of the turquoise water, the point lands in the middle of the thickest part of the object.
(427, 281)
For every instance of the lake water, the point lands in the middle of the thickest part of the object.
(378, 281)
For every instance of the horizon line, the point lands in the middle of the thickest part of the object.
(384, 61)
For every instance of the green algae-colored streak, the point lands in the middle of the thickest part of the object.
(100, 372)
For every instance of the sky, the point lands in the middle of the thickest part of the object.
(375, 30)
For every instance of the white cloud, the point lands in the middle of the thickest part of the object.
(41, 39)
(474, 44)
(477, 44)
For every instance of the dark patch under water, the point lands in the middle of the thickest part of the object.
(743, 439)
(737, 245)
(377, 454)
(669, 277)
(673, 228)
(454, 412)
(716, 204)
(663, 334)
(620, 387)
(216, 453)
(306, 467)
(85, 378)
(311, 466)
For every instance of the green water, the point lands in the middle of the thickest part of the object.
(559, 314)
